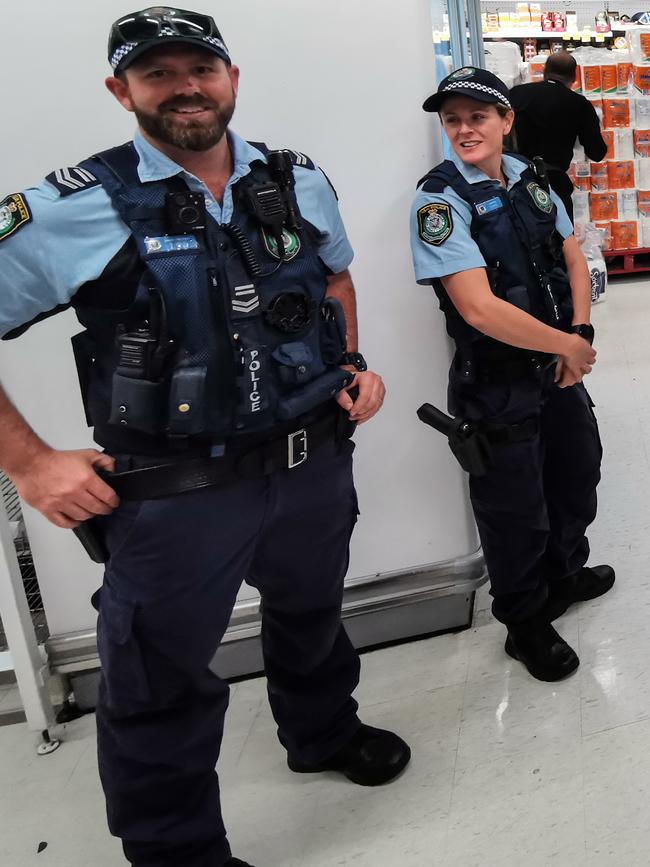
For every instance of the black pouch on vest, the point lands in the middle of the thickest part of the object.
(308, 397)
(83, 359)
(139, 404)
(296, 364)
(187, 401)
(333, 331)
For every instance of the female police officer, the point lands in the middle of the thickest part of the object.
(497, 246)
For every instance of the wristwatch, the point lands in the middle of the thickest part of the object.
(585, 331)
(356, 360)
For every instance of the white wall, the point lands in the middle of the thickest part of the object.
(343, 82)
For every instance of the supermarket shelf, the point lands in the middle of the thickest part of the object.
(538, 33)
(627, 261)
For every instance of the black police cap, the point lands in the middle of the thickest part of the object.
(469, 81)
(134, 34)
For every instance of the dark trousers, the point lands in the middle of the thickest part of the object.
(176, 567)
(562, 184)
(534, 505)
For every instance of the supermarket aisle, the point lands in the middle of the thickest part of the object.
(506, 770)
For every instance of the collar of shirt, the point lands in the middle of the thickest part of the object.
(512, 169)
(154, 165)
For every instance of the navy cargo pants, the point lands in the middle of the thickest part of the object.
(534, 505)
(176, 566)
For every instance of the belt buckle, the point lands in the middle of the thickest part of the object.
(297, 448)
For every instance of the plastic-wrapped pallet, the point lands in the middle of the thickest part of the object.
(591, 242)
(504, 60)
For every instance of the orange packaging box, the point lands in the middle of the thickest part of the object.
(642, 142)
(599, 177)
(604, 206)
(607, 239)
(642, 79)
(577, 84)
(537, 71)
(582, 183)
(623, 75)
(644, 39)
(643, 203)
(608, 138)
(609, 78)
(620, 174)
(616, 112)
(593, 82)
(625, 235)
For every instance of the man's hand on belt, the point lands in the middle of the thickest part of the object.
(370, 398)
(64, 485)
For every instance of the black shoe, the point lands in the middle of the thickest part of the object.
(371, 758)
(236, 862)
(545, 654)
(587, 583)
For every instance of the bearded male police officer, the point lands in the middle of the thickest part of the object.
(211, 277)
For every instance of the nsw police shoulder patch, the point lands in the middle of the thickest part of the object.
(435, 223)
(14, 214)
(541, 198)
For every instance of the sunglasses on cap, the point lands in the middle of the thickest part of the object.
(143, 26)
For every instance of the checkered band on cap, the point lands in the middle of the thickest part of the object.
(474, 85)
(120, 53)
(216, 42)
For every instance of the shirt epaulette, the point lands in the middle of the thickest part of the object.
(298, 159)
(71, 180)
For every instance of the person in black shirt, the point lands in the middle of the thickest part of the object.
(549, 117)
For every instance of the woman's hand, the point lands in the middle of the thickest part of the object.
(577, 363)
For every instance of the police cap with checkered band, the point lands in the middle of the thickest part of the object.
(472, 82)
(134, 34)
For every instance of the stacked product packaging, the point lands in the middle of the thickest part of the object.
(614, 194)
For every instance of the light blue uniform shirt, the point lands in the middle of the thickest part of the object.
(71, 239)
(459, 252)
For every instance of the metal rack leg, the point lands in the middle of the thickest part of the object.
(17, 622)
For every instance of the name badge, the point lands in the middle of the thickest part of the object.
(170, 243)
(489, 205)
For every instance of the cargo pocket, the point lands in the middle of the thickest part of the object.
(591, 405)
(126, 684)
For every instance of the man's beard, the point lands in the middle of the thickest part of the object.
(189, 135)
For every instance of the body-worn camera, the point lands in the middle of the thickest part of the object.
(185, 212)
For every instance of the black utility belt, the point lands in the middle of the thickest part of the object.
(288, 451)
(490, 371)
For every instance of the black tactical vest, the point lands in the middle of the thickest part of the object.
(515, 232)
(229, 332)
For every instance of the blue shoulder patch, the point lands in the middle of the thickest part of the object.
(72, 180)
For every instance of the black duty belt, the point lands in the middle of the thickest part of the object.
(497, 372)
(181, 475)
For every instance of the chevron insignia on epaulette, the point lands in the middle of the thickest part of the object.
(72, 180)
(301, 160)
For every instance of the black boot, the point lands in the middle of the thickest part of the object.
(545, 654)
(587, 583)
(236, 862)
(371, 758)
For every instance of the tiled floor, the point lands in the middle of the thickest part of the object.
(506, 771)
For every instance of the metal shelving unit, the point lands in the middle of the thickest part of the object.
(28, 572)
